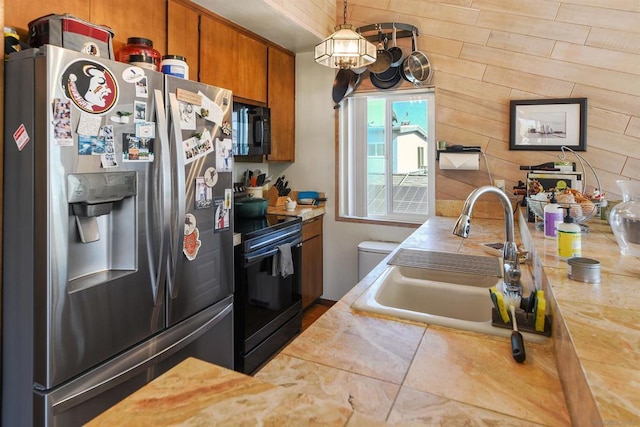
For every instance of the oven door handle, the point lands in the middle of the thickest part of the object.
(251, 258)
(276, 238)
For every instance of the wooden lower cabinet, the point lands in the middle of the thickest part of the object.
(312, 262)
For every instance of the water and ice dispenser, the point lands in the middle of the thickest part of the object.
(102, 208)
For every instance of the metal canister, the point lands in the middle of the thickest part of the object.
(584, 269)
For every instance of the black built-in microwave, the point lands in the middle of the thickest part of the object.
(251, 130)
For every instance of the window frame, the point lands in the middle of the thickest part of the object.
(351, 159)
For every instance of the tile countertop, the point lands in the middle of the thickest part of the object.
(305, 212)
(351, 368)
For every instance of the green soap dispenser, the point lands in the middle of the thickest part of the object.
(569, 237)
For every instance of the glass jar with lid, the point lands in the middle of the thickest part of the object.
(139, 46)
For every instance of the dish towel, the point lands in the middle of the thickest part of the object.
(284, 260)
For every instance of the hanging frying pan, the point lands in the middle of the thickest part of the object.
(395, 51)
(387, 79)
(343, 84)
(383, 57)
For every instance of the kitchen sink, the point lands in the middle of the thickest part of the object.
(444, 296)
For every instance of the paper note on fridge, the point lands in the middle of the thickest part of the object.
(460, 161)
(210, 110)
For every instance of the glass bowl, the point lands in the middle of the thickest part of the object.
(580, 212)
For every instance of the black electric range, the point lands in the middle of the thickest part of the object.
(267, 302)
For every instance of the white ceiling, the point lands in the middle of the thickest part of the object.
(265, 21)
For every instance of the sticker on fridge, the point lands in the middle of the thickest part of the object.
(21, 137)
(195, 147)
(203, 194)
(136, 149)
(221, 219)
(91, 86)
(224, 154)
(62, 133)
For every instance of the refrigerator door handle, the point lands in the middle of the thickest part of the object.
(138, 359)
(165, 192)
(180, 195)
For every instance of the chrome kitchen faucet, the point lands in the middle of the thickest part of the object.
(511, 263)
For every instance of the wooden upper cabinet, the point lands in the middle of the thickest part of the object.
(231, 60)
(182, 35)
(218, 53)
(251, 69)
(281, 80)
(19, 14)
(146, 19)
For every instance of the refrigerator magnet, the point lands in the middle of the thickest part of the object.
(121, 117)
(191, 244)
(221, 219)
(132, 74)
(228, 195)
(210, 177)
(204, 194)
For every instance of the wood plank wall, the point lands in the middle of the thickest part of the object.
(487, 52)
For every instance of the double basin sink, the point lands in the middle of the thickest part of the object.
(439, 288)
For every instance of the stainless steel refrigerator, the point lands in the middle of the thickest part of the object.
(118, 234)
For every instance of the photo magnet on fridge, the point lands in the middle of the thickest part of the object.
(203, 194)
(221, 219)
(63, 135)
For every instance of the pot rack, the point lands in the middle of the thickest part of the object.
(385, 29)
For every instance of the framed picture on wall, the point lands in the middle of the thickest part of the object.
(548, 124)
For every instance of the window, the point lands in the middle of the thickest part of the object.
(386, 156)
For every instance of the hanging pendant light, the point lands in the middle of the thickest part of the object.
(345, 48)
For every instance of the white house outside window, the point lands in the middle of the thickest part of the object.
(387, 156)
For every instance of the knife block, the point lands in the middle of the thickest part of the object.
(274, 199)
